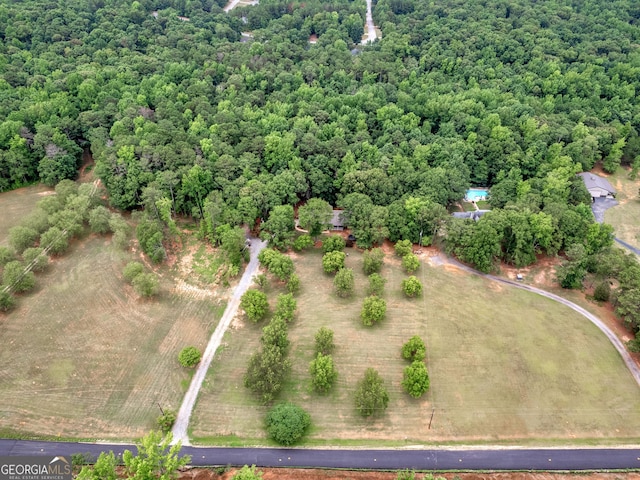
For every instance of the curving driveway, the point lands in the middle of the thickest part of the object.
(188, 402)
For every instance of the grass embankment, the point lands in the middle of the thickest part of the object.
(505, 365)
(625, 218)
(84, 357)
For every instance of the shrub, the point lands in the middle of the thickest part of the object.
(411, 287)
(323, 373)
(247, 473)
(414, 349)
(373, 311)
(602, 293)
(403, 247)
(99, 219)
(344, 282)
(261, 280)
(275, 334)
(415, 380)
(7, 302)
(333, 261)
(34, 257)
(132, 270)
(166, 420)
(293, 284)
(285, 306)
(21, 238)
(333, 243)
(373, 260)
(376, 284)
(55, 241)
(146, 284)
(255, 304)
(287, 423)
(15, 276)
(266, 372)
(303, 242)
(6, 255)
(410, 263)
(371, 396)
(189, 357)
(324, 341)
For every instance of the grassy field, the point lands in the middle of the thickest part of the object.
(84, 357)
(625, 218)
(16, 205)
(505, 366)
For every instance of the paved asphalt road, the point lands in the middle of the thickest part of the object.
(445, 459)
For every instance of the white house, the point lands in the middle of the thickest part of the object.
(598, 187)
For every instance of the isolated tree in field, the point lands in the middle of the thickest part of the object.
(293, 284)
(99, 219)
(285, 306)
(410, 263)
(132, 270)
(373, 260)
(371, 395)
(189, 357)
(6, 255)
(266, 371)
(21, 238)
(55, 241)
(303, 242)
(333, 243)
(14, 275)
(146, 284)
(415, 379)
(324, 341)
(414, 349)
(323, 373)
(315, 216)
(103, 469)
(7, 302)
(376, 284)
(287, 423)
(344, 282)
(255, 304)
(411, 287)
(276, 334)
(34, 257)
(373, 310)
(333, 261)
(166, 420)
(247, 473)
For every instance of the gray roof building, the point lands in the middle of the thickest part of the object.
(598, 186)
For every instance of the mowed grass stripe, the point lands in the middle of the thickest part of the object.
(504, 364)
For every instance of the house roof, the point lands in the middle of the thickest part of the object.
(336, 221)
(594, 181)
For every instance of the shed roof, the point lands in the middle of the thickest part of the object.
(336, 220)
(594, 181)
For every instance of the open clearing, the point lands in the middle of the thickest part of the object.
(625, 218)
(84, 357)
(17, 204)
(505, 366)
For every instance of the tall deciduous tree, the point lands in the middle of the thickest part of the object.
(315, 216)
(371, 396)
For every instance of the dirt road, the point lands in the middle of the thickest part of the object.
(370, 27)
(188, 402)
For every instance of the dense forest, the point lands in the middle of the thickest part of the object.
(185, 115)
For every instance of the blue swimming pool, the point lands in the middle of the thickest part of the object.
(475, 194)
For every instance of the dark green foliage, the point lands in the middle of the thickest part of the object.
(344, 282)
(410, 263)
(315, 216)
(415, 380)
(146, 284)
(371, 397)
(6, 255)
(376, 284)
(602, 291)
(403, 247)
(333, 243)
(7, 302)
(150, 236)
(278, 264)
(276, 334)
(414, 349)
(21, 238)
(166, 420)
(333, 261)
(266, 372)
(323, 373)
(255, 304)
(373, 260)
(285, 306)
(324, 341)
(287, 423)
(36, 258)
(278, 229)
(373, 310)
(99, 219)
(411, 287)
(15, 277)
(303, 242)
(189, 357)
(132, 270)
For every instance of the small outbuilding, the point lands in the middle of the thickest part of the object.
(337, 223)
(598, 187)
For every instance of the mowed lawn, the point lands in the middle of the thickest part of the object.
(17, 204)
(505, 365)
(84, 357)
(625, 218)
